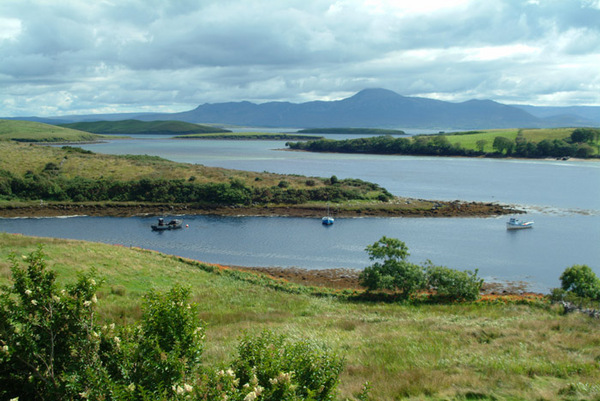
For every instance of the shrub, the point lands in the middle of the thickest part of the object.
(48, 339)
(51, 349)
(394, 272)
(581, 281)
(279, 369)
(454, 284)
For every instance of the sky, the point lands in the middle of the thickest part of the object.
(61, 57)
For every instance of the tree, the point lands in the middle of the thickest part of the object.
(392, 271)
(581, 281)
(502, 144)
(481, 144)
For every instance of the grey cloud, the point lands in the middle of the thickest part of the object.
(128, 54)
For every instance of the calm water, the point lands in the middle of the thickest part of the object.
(562, 197)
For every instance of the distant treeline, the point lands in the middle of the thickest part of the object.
(49, 185)
(357, 131)
(582, 143)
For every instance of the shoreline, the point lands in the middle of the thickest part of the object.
(400, 207)
(346, 278)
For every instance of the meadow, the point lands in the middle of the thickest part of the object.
(500, 348)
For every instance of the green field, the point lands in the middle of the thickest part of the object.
(29, 131)
(536, 135)
(493, 350)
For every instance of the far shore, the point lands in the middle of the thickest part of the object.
(400, 207)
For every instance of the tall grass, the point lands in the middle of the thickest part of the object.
(475, 350)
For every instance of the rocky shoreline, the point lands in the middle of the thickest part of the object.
(400, 207)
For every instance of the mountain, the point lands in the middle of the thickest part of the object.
(372, 108)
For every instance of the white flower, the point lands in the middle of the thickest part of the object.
(56, 298)
(27, 292)
(14, 399)
(230, 372)
(87, 303)
(34, 302)
(5, 349)
(94, 299)
(251, 396)
(112, 326)
(92, 281)
(187, 388)
(131, 387)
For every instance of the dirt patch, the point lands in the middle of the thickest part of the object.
(348, 279)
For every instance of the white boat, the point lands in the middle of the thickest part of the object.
(516, 224)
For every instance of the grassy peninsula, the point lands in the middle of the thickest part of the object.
(136, 127)
(499, 348)
(352, 131)
(252, 136)
(48, 181)
(530, 143)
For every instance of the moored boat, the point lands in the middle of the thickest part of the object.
(171, 225)
(516, 224)
(327, 220)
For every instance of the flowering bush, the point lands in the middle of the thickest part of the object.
(52, 349)
(49, 342)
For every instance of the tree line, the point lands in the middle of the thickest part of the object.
(582, 143)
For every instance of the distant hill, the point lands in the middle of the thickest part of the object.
(132, 127)
(32, 131)
(369, 108)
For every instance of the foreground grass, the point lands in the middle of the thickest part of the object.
(489, 350)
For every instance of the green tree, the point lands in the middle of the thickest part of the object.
(481, 144)
(391, 270)
(581, 281)
(502, 144)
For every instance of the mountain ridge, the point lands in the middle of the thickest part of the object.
(369, 108)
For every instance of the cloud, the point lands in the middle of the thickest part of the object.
(78, 57)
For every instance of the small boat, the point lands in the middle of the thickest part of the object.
(327, 220)
(516, 224)
(171, 225)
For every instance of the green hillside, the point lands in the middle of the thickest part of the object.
(133, 127)
(29, 131)
(502, 348)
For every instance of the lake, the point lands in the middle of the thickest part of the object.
(562, 197)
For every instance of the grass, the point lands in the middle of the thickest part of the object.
(469, 140)
(480, 350)
(29, 131)
(19, 158)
